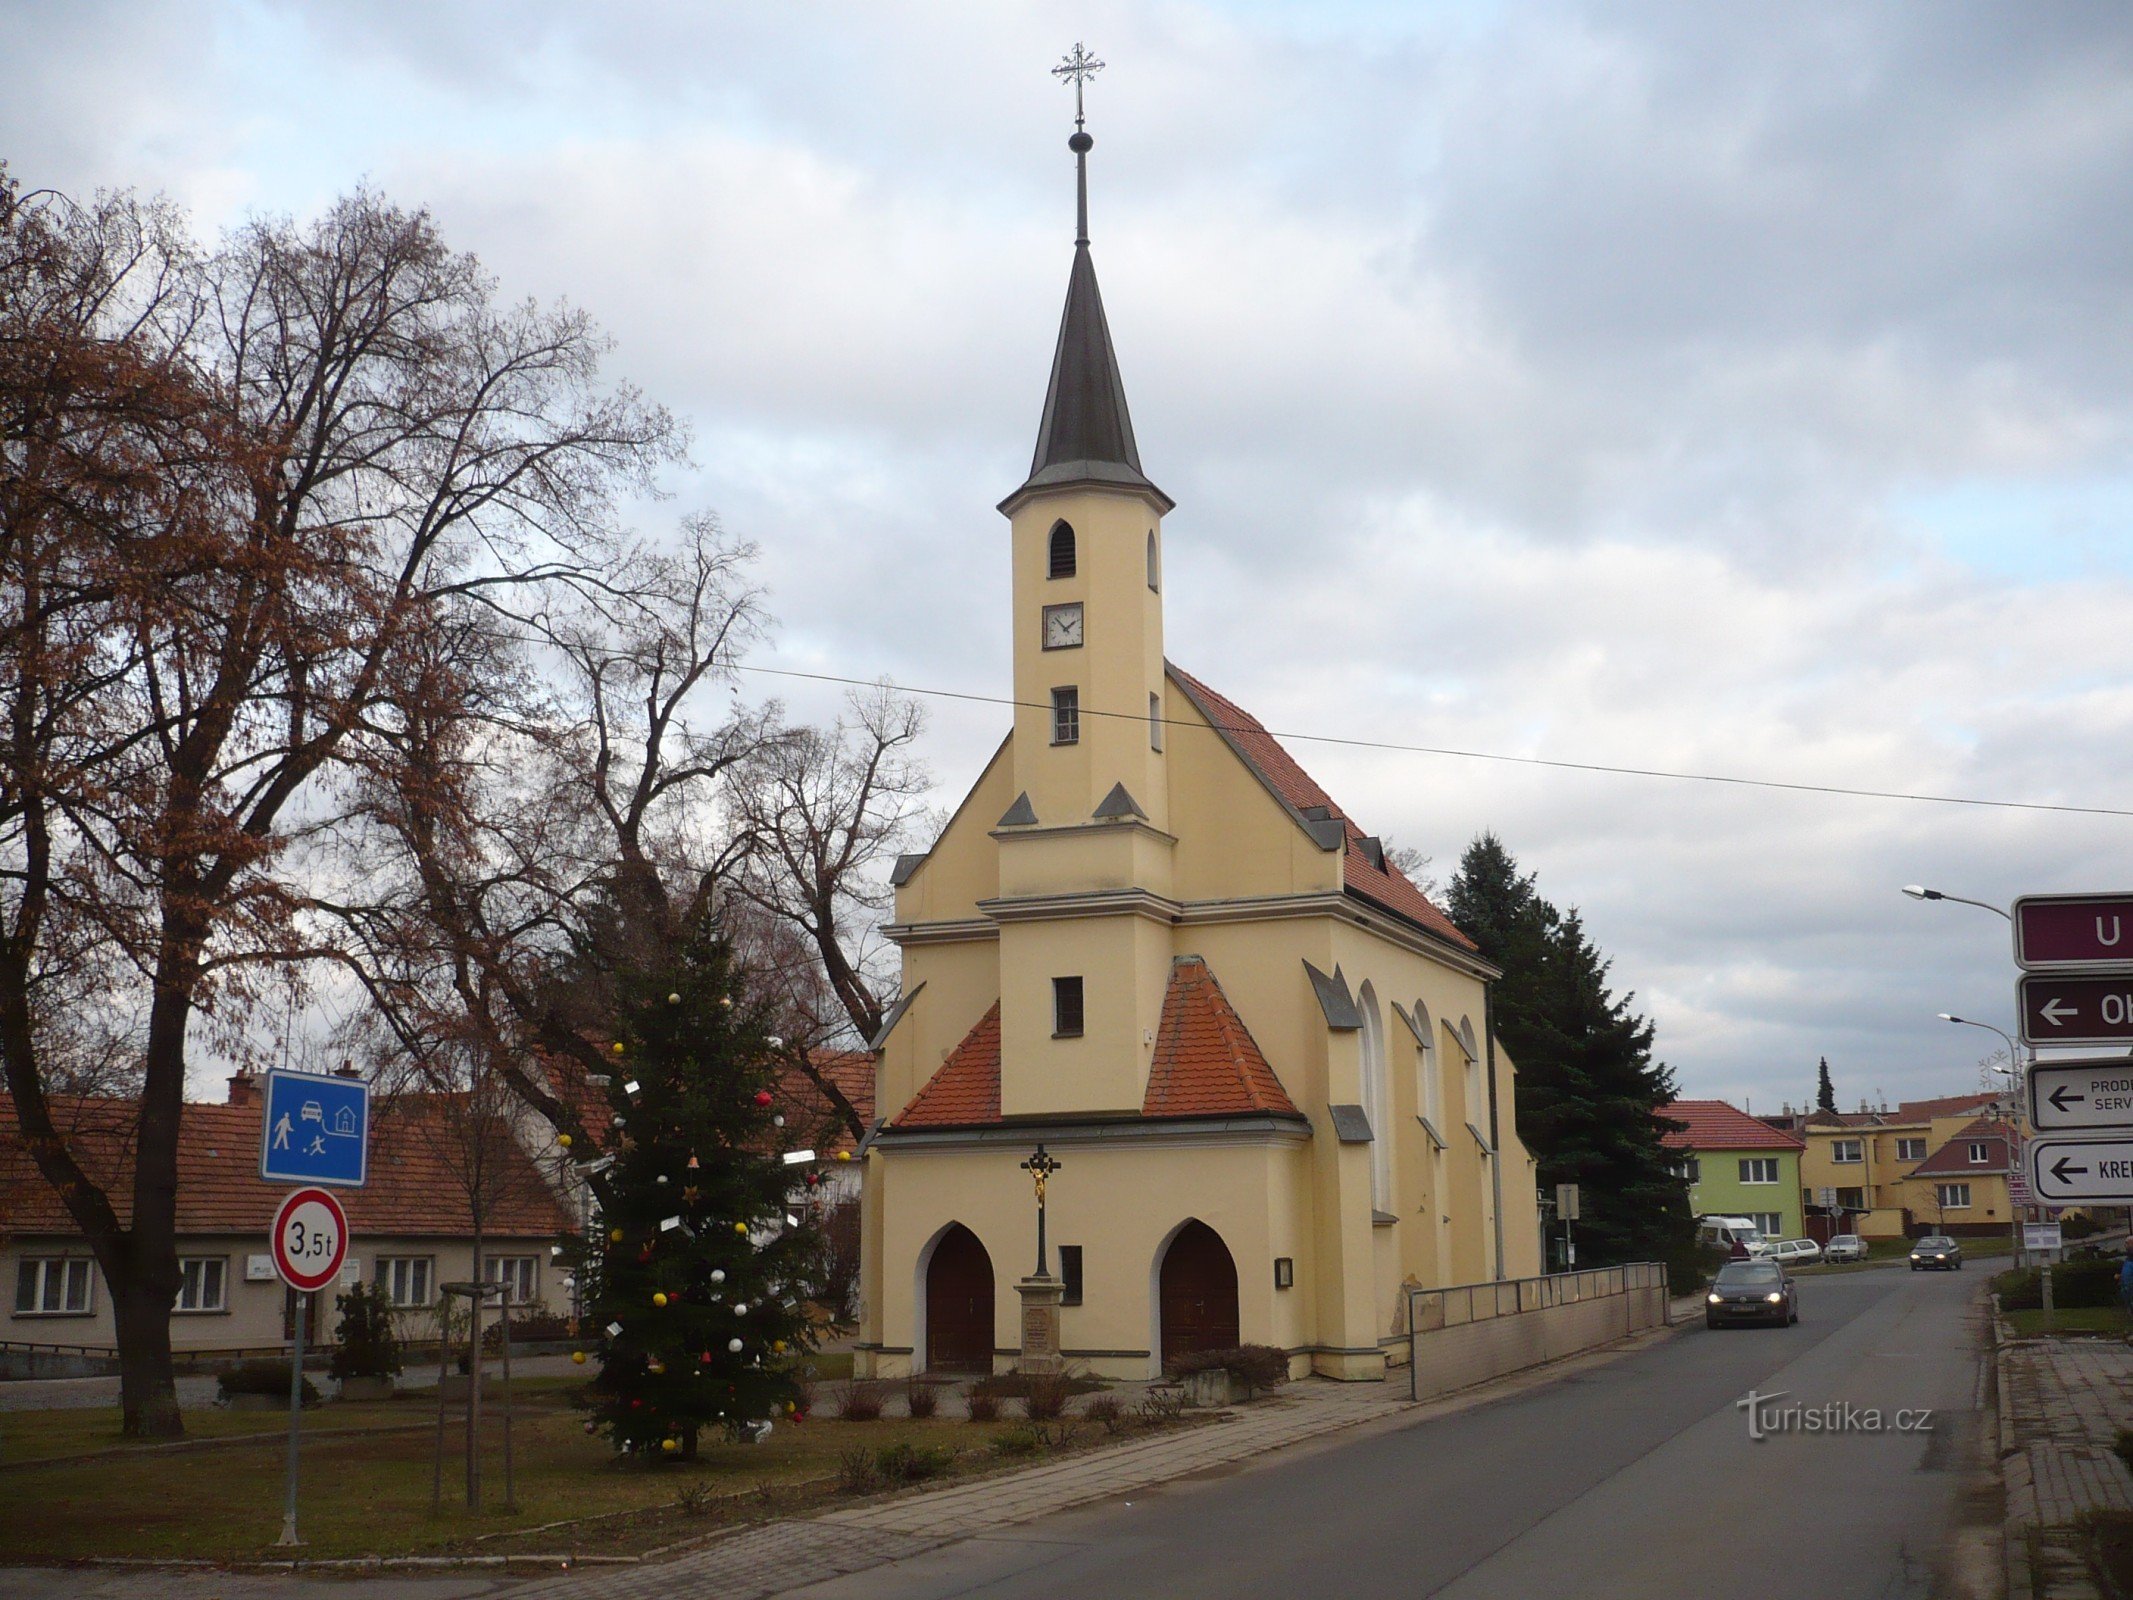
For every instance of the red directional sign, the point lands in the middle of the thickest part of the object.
(2062, 931)
(310, 1239)
(2097, 1009)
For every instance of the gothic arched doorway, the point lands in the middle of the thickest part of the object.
(1197, 1293)
(959, 1304)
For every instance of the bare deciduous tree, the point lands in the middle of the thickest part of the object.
(241, 488)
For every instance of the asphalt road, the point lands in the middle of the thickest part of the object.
(1632, 1477)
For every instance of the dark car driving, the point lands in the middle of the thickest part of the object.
(1751, 1291)
(1936, 1252)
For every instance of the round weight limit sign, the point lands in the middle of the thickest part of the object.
(310, 1239)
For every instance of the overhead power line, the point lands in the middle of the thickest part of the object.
(1608, 768)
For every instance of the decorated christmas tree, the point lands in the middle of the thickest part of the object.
(699, 1262)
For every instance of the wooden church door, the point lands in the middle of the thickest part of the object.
(959, 1309)
(1198, 1293)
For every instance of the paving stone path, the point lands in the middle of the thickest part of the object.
(2062, 1402)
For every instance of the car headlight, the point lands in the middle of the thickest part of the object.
(1713, 1299)
(1775, 1299)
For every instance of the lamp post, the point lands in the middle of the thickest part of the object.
(1919, 892)
(2013, 1072)
(1040, 1166)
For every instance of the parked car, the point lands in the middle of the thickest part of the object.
(1794, 1253)
(1751, 1291)
(1936, 1252)
(1845, 1247)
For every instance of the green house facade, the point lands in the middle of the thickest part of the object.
(1736, 1166)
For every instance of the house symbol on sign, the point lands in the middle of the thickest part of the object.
(344, 1123)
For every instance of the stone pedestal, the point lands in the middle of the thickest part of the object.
(1040, 1323)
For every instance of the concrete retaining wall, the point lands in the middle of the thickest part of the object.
(1469, 1335)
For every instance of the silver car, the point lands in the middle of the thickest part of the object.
(1845, 1247)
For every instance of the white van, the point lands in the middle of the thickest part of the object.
(1729, 1232)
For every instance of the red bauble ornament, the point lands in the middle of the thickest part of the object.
(762, 1097)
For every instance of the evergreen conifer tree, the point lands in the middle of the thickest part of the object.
(1825, 1091)
(695, 1274)
(1588, 1089)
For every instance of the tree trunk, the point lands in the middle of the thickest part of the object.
(148, 1393)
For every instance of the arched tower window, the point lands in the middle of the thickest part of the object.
(1428, 1083)
(1155, 576)
(1062, 551)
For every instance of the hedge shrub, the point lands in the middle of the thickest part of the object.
(262, 1377)
(1251, 1367)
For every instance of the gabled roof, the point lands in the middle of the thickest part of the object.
(1206, 1064)
(1715, 1125)
(1952, 1159)
(1085, 434)
(1206, 1061)
(414, 1185)
(1366, 875)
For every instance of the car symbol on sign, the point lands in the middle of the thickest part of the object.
(312, 1112)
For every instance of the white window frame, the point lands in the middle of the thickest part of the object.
(194, 1275)
(522, 1280)
(1771, 1224)
(398, 1275)
(71, 1272)
(1838, 1147)
(1980, 1152)
(1944, 1193)
(1753, 1168)
(1910, 1149)
(1066, 714)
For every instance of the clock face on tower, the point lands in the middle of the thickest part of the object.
(1062, 627)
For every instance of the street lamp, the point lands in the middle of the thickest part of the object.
(1918, 892)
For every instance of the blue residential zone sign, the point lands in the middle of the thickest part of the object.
(315, 1130)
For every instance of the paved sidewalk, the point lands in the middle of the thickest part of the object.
(2061, 1403)
(764, 1561)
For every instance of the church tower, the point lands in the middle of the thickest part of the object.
(1085, 851)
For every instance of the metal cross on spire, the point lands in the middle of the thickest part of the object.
(1079, 66)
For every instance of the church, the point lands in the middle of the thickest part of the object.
(1147, 941)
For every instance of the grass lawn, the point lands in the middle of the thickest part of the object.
(367, 1492)
(2078, 1322)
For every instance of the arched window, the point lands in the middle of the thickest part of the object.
(1377, 1099)
(1429, 1087)
(1062, 550)
(1154, 572)
(1477, 1094)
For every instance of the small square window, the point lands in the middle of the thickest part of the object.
(1066, 716)
(202, 1283)
(1066, 1008)
(1070, 1274)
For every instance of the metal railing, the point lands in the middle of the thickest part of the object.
(1433, 1310)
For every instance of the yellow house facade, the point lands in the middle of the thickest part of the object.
(1147, 940)
(1922, 1166)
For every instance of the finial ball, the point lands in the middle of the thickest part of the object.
(1080, 143)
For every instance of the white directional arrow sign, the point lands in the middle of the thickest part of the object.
(2091, 1009)
(2082, 1171)
(2081, 1094)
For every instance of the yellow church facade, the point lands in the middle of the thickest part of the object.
(1148, 940)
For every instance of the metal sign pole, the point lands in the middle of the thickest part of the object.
(296, 1415)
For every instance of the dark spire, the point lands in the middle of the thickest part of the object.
(1086, 433)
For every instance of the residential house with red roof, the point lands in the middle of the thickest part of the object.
(1149, 941)
(1885, 1172)
(410, 1225)
(1736, 1165)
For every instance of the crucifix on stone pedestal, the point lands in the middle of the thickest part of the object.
(1041, 1292)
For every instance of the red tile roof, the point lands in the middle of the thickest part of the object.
(1952, 1160)
(1948, 1105)
(966, 1090)
(1206, 1062)
(413, 1189)
(1384, 886)
(1715, 1125)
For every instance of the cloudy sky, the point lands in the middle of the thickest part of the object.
(1737, 390)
